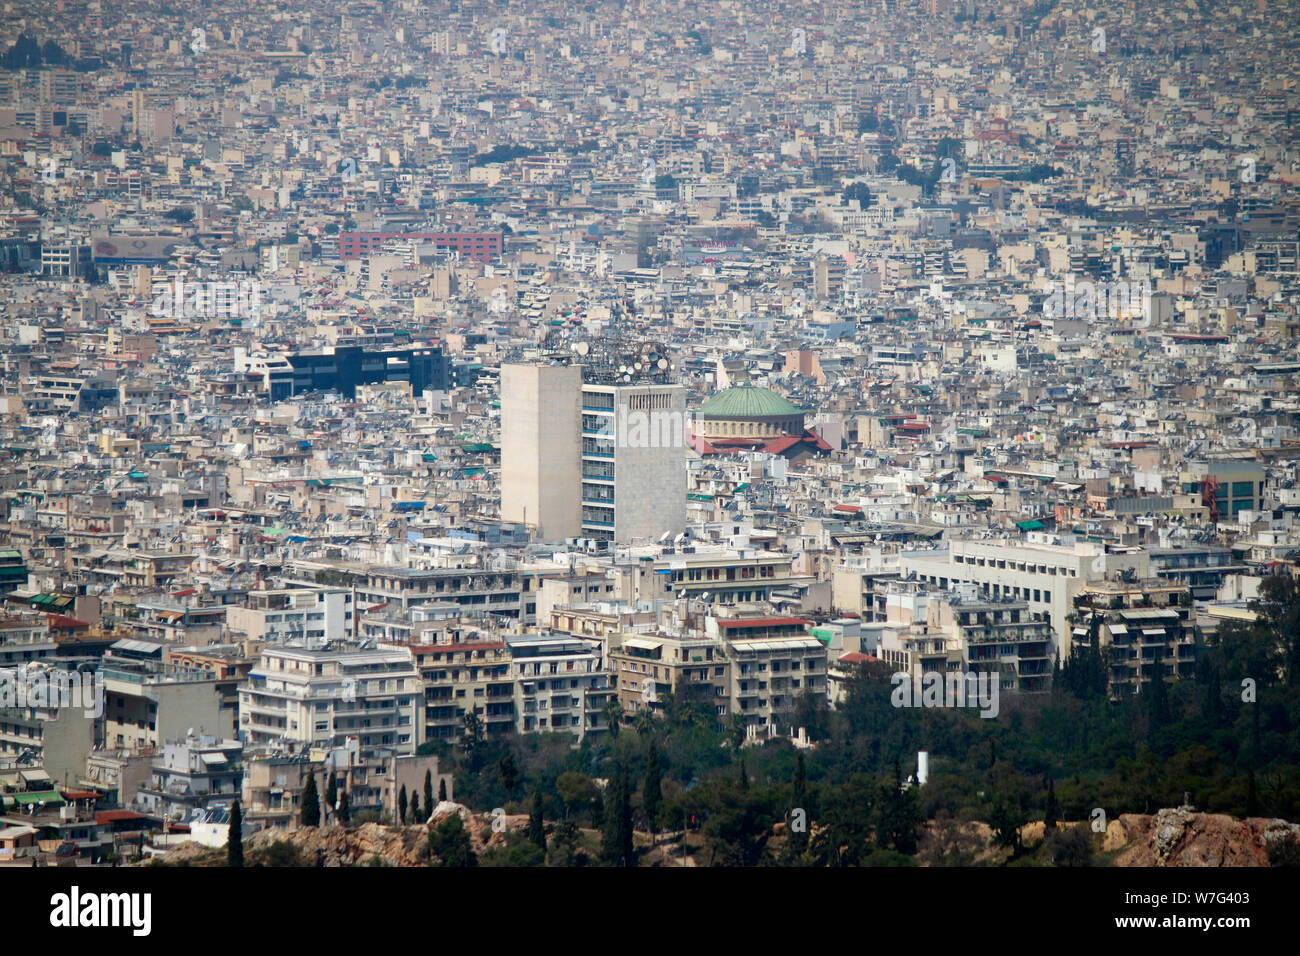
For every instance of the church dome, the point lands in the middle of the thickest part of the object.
(745, 401)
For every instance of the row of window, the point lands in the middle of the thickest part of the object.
(1015, 565)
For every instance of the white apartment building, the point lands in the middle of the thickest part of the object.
(293, 613)
(300, 697)
(1044, 571)
(561, 684)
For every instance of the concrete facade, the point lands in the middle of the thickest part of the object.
(541, 448)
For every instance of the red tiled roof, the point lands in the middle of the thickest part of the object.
(855, 657)
(114, 816)
(62, 620)
(70, 794)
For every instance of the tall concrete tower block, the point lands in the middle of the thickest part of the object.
(541, 448)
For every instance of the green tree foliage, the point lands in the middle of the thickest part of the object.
(401, 804)
(310, 803)
(518, 851)
(428, 790)
(1070, 846)
(897, 815)
(536, 825)
(1052, 756)
(449, 843)
(652, 796)
(580, 795)
(331, 792)
(613, 716)
(235, 839)
(616, 839)
(509, 772)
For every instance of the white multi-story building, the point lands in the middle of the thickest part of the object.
(633, 461)
(561, 684)
(298, 697)
(601, 461)
(1045, 573)
(289, 613)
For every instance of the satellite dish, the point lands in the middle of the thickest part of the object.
(582, 348)
(663, 363)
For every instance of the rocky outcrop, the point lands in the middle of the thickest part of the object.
(1182, 837)
(348, 846)
(369, 844)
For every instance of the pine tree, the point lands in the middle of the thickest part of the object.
(414, 812)
(442, 790)
(536, 825)
(652, 796)
(401, 805)
(449, 843)
(235, 841)
(428, 790)
(311, 803)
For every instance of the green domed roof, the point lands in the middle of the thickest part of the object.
(747, 400)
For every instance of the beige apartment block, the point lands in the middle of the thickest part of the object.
(541, 448)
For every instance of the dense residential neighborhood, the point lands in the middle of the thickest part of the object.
(649, 434)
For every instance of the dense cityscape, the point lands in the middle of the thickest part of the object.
(649, 435)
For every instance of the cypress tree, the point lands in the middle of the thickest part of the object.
(536, 825)
(1158, 701)
(235, 840)
(509, 773)
(609, 838)
(401, 805)
(744, 777)
(442, 790)
(652, 796)
(799, 801)
(428, 790)
(625, 823)
(1052, 808)
(413, 815)
(331, 793)
(616, 838)
(345, 811)
(311, 803)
